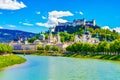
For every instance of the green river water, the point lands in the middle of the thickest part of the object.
(62, 68)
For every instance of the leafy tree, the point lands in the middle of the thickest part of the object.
(55, 48)
(40, 47)
(94, 47)
(66, 37)
(103, 46)
(86, 47)
(69, 48)
(116, 45)
(31, 40)
(47, 47)
(4, 48)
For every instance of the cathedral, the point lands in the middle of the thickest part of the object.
(86, 37)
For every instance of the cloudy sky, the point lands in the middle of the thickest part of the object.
(38, 15)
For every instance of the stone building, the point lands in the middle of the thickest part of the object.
(62, 27)
(86, 37)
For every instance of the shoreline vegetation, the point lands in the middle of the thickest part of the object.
(7, 58)
(94, 56)
(102, 50)
(10, 60)
(75, 55)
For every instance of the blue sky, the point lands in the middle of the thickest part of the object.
(38, 15)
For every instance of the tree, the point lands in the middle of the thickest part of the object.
(55, 48)
(5, 48)
(40, 47)
(31, 40)
(94, 48)
(86, 47)
(69, 48)
(116, 45)
(103, 46)
(66, 37)
(47, 47)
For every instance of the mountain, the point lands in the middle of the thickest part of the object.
(9, 35)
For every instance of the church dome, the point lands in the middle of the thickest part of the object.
(42, 36)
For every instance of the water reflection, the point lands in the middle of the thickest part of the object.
(60, 68)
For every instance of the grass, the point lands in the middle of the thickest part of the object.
(94, 56)
(10, 60)
(47, 54)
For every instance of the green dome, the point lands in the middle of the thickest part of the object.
(42, 36)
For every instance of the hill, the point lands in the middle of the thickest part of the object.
(9, 35)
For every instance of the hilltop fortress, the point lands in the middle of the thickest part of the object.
(77, 22)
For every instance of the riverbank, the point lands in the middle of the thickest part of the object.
(94, 56)
(48, 54)
(9, 60)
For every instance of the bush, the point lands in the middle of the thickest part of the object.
(4, 48)
(55, 48)
(47, 47)
(40, 48)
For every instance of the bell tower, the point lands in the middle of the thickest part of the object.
(94, 22)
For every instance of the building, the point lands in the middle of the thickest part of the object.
(77, 22)
(87, 37)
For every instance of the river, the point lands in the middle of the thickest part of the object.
(62, 68)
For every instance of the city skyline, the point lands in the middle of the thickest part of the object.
(36, 16)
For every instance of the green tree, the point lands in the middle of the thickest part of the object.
(103, 46)
(4, 48)
(55, 48)
(40, 47)
(31, 40)
(94, 48)
(116, 45)
(86, 47)
(47, 47)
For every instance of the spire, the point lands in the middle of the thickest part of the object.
(58, 37)
(97, 36)
(58, 31)
(85, 30)
(50, 39)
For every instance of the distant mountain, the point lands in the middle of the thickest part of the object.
(9, 35)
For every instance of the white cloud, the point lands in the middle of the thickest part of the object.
(81, 13)
(55, 17)
(43, 17)
(11, 4)
(1, 27)
(117, 29)
(12, 26)
(43, 24)
(106, 27)
(38, 12)
(27, 24)
(1, 13)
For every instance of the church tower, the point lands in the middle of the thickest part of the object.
(26, 41)
(50, 38)
(58, 37)
(84, 21)
(94, 22)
